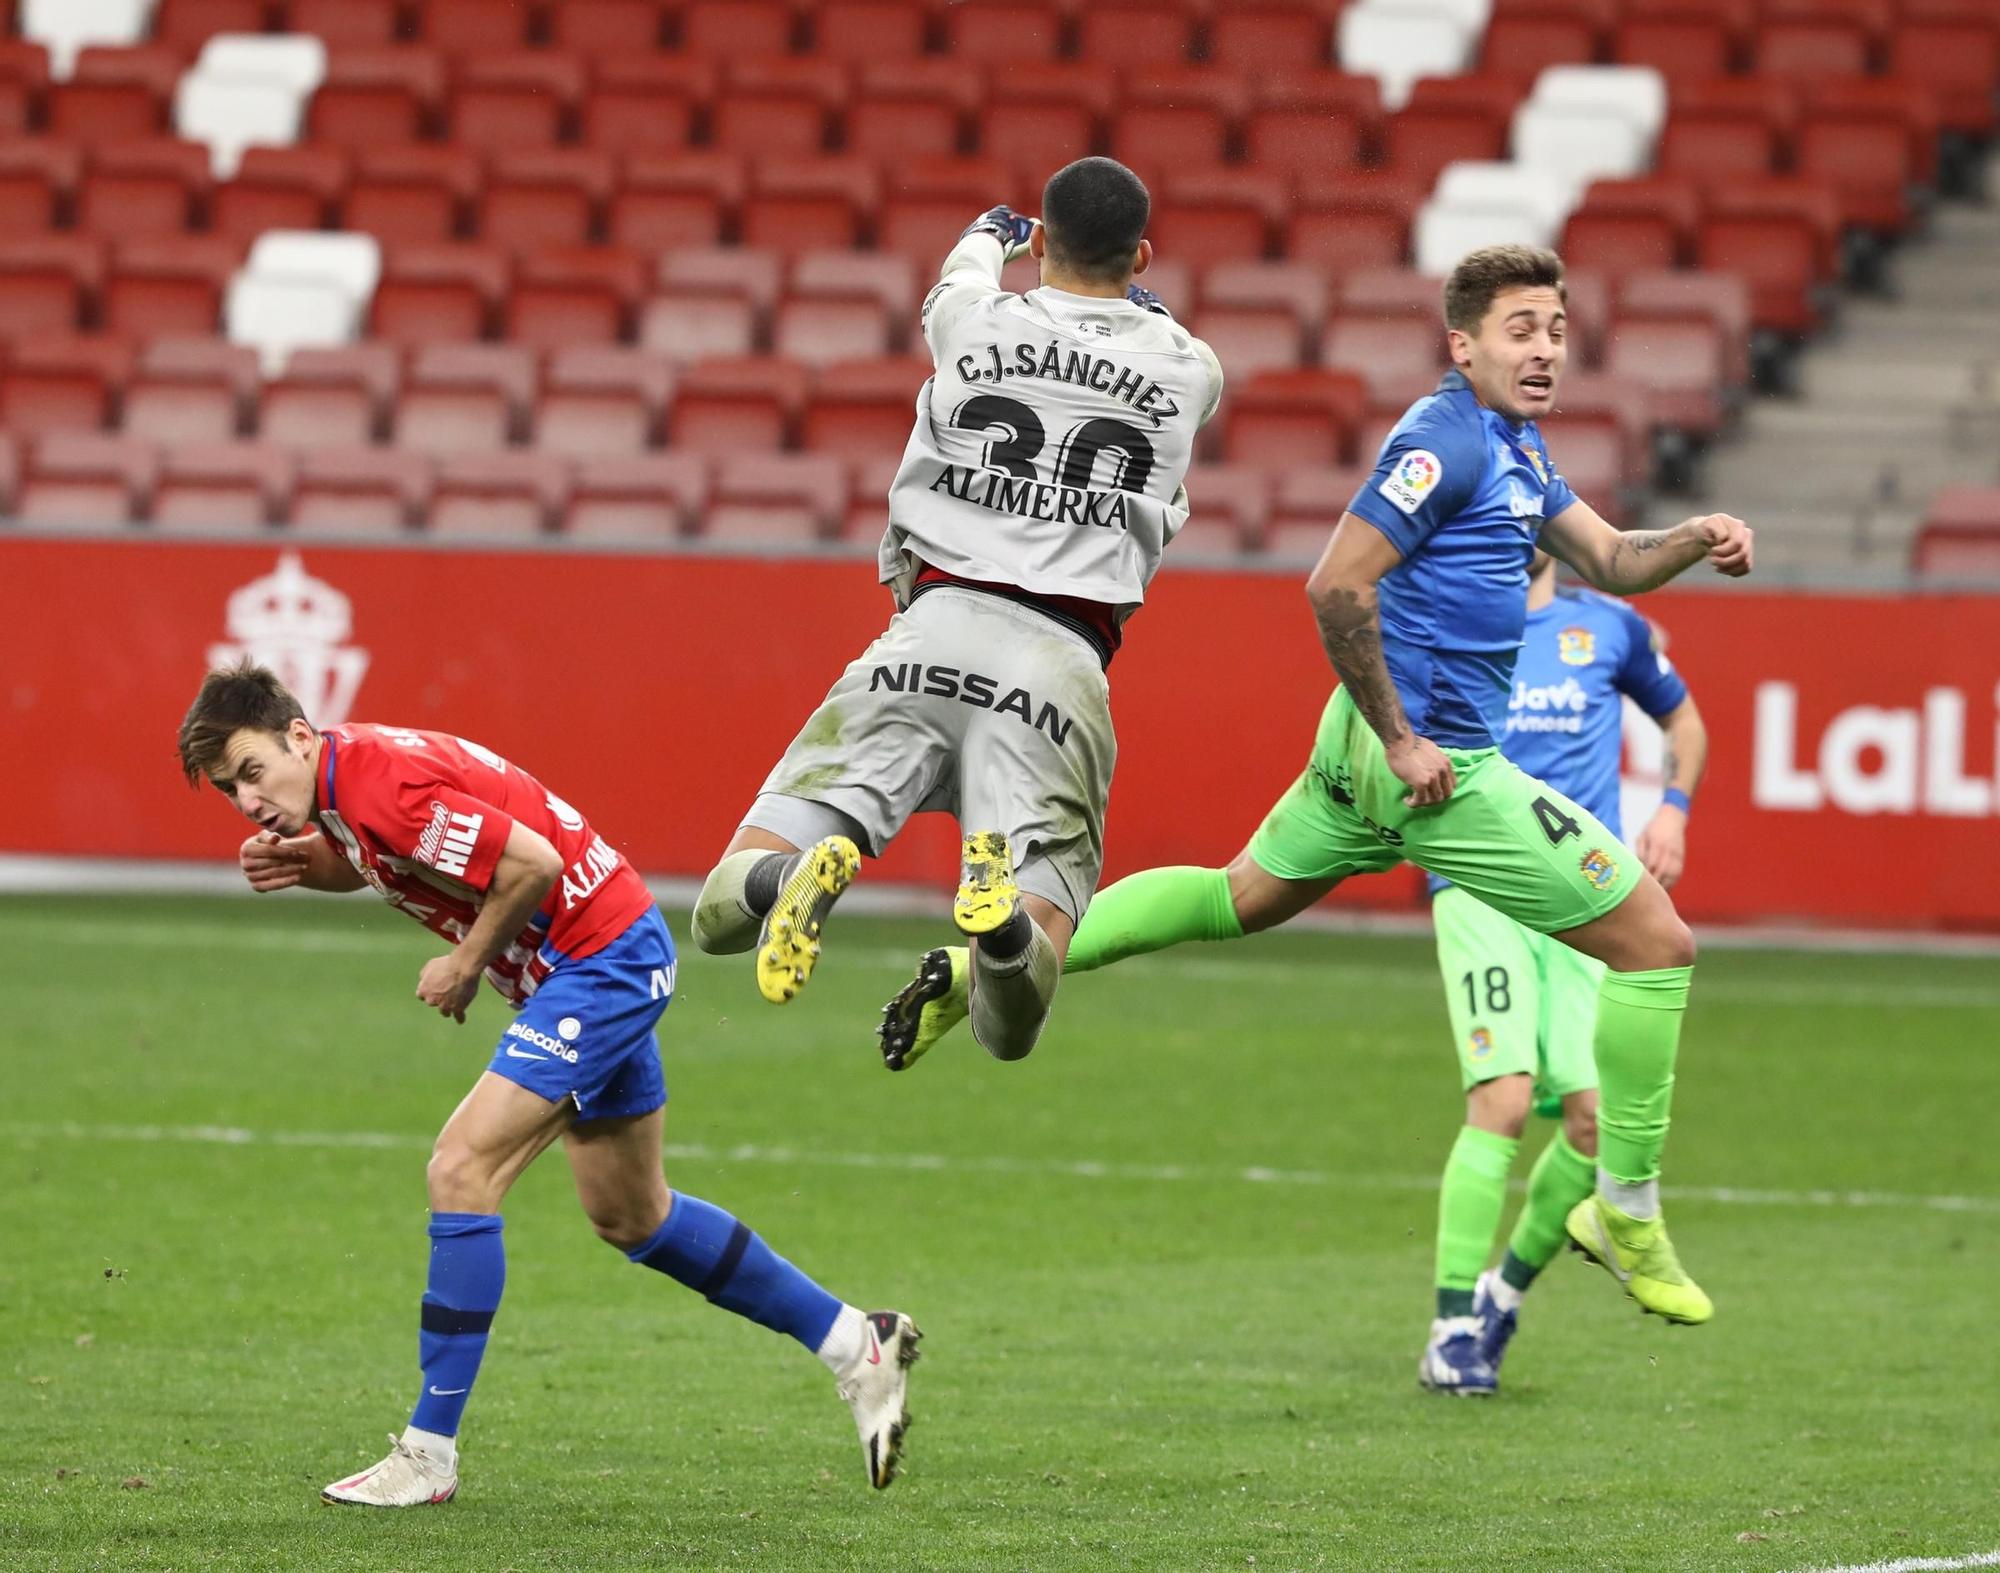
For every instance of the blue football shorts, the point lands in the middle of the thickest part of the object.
(587, 1034)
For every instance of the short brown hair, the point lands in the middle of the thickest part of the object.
(1094, 215)
(231, 698)
(1483, 274)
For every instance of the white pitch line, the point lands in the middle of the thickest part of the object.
(26, 1132)
(1978, 1559)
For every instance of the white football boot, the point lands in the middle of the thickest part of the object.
(875, 1387)
(408, 1477)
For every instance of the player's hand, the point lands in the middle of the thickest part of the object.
(1730, 543)
(270, 862)
(1421, 766)
(444, 987)
(1146, 300)
(1662, 845)
(1011, 229)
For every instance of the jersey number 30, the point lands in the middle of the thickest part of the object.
(1076, 459)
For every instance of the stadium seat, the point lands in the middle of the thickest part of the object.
(1424, 137)
(1869, 152)
(889, 279)
(1205, 217)
(869, 481)
(188, 24)
(1042, 114)
(412, 194)
(746, 404)
(930, 201)
(331, 398)
(1959, 61)
(545, 197)
(654, 498)
(1720, 299)
(1251, 339)
(360, 491)
(1523, 38)
(865, 408)
(116, 95)
(60, 383)
(516, 101)
(731, 270)
(1285, 418)
(155, 187)
(1484, 204)
(861, 31)
(1359, 218)
(781, 109)
(1263, 38)
(439, 294)
(607, 29)
(665, 202)
(364, 24)
(1578, 145)
(248, 89)
(221, 486)
(810, 204)
(67, 27)
(1685, 49)
(467, 26)
(1396, 46)
(48, 283)
(281, 188)
(1638, 93)
(1136, 33)
(1176, 118)
(1392, 351)
(575, 295)
(1308, 503)
(642, 104)
(499, 496)
(1300, 288)
(686, 325)
(1808, 49)
(1705, 139)
(168, 285)
(38, 178)
(1680, 361)
(278, 315)
(376, 97)
(1290, 137)
(1960, 534)
(903, 119)
(1227, 507)
(1000, 30)
(464, 398)
(76, 478)
(1623, 226)
(777, 499)
(192, 390)
(602, 401)
(736, 29)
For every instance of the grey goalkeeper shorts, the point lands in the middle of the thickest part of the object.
(969, 705)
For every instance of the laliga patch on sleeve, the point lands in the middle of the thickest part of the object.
(1414, 478)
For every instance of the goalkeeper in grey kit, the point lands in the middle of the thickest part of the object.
(1039, 489)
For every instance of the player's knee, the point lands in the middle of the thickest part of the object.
(1501, 1105)
(1580, 1122)
(458, 1181)
(622, 1224)
(1676, 942)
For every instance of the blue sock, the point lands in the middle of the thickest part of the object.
(701, 1246)
(468, 1269)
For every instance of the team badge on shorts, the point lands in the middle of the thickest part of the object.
(1576, 646)
(1413, 479)
(1599, 869)
(1482, 1043)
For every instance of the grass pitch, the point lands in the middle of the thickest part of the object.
(1174, 1271)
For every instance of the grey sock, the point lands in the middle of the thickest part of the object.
(1011, 994)
(725, 918)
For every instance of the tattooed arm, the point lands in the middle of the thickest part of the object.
(1342, 590)
(1631, 562)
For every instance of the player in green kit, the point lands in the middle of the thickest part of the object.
(1420, 598)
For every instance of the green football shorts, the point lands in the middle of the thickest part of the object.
(1517, 844)
(1520, 1002)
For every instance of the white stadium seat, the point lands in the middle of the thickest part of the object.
(1639, 93)
(297, 60)
(1488, 204)
(65, 27)
(1577, 146)
(275, 316)
(351, 262)
(1398, 43)
(234, 113)
(1473, 15)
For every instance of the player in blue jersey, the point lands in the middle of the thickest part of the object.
(1421, 602)
(1523, 1007)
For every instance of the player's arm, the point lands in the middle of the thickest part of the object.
(1662, 845)
(971, 270)
(309, 862)
(526, 871)
(1630, 562)
(1345, 597)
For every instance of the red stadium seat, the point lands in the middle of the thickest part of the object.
(63, 384)
(281, 188)
(331, 398)
(1299, 288)
(17, 108)
(742, 405)
(191, 390)
(930, 202)
(1284, 418)
(1156, 136)
(1680, 361)
(654, 498)
(438, 294)
(911, 108)
(1521, 39)
(37, 177)
(607, 28)
(1258, 38)
(1251, 339)
(1915, 106)
(1308, 504)
(116, 94)
(1001, 30)
(208, 486)
(169, 285)
(376, 97)
(1685, 48)
(1323, 138)
(777, 498)
(1804, 50)
(869, 480)
(1228, 505)
(688, 325)
(498, 496)
(1448, 119)
(188, 24)
(755, 276)
(1868, 154)
(1390, 350)
(1043, 125)
(668, 201)
(810, 204)
(155, 187)
(602, 401)
(1961, 533)
(575, 295)
(1876, 18)
(1720, 299)
(1959, 61)
(1136, 33)
(1699, 143)
(1391, 290)
(84, 479)
(736, 29)
(1203, 218)
(864, 409)
(365, 24)
(819, 330)
(467, 26)
(1359, 218)
(48, 283)
(418, 194)
(545, 197)
(641, 105)
(777, 120)
(516, 101)
(464, 398)
(1624, 226)
(860, 31)
(885, 278)
(360, 491)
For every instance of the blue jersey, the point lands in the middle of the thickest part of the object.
(1461, 492)
(1582, 655)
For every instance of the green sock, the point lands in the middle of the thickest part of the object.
(1561, 1178)
(1151, 910)
(1469, 1205)
(1638, 1033)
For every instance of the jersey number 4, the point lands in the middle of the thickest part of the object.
(1556, 825)
(1076, 458)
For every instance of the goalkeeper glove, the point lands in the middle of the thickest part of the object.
(1006, 226)
(1146, 300)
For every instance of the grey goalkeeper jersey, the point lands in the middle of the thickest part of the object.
(1051, 443)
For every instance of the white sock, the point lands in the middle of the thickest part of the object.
(845, 1342)
(1635, 1201)
(1505, 1296)
(439, 1449)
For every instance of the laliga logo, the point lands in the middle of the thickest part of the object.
(1871, 760)
(296, 625)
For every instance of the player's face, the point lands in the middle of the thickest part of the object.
(269, 777)
(1516, 358)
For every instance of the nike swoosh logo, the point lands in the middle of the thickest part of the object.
(448, 1392)
(874, 1348)
(523, 1054)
